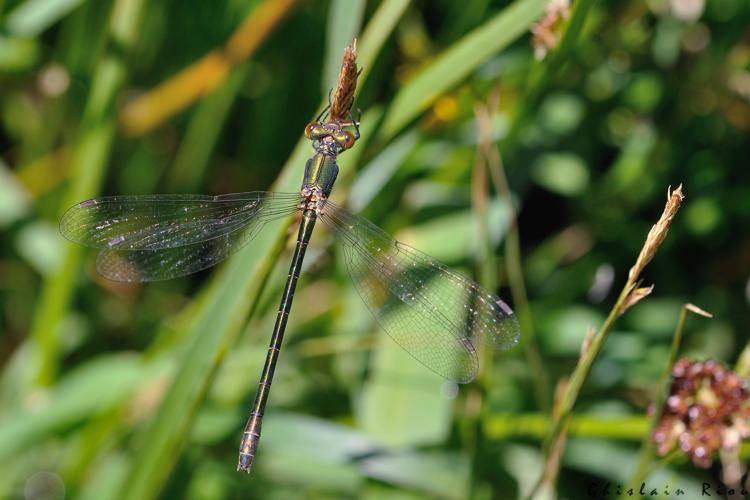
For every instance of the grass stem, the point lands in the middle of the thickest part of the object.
(647, 447)
(513, 260)
(629, 295)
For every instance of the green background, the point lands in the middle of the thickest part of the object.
(140, 391)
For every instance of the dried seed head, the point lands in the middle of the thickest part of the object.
(697, 310)
(343, 96)
(635, 296)
(707, 410)
(658, 232)
(546, 33)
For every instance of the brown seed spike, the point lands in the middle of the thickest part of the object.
(343, 96)
(658, 232)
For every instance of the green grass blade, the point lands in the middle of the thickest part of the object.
(203, 131)
(625, 428)
(90, 161)
(92, 387)
(378, 29)
(344, 23)
(32, 17)
(457, 63)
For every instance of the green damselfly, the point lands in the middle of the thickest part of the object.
(436, 315)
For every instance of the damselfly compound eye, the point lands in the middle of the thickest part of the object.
(348, 140)
(309, 129)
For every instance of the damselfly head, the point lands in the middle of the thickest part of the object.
(330, 137)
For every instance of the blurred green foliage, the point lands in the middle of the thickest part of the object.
(112, 391)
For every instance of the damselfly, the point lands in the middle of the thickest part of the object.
(436, 315)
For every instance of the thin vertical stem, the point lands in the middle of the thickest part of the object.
(629, 295)
(660, 397)
(514, 265)
(474, 434)
(488, 159)
(742, 367)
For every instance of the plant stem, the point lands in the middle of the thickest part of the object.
(647, 447)
(587, 361)
(628, 297)
(742, 367)
(476, 407)
(514, 265)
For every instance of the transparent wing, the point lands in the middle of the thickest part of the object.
(435, 314)
(165, 221)
(156, 237)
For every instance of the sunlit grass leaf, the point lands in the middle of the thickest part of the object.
(402, 402)
(450, 238)
(32, 17)
(14, 199)
(293, 432)
(297, 468)
(378, 30)
(17, 54)
(458, 61)
(312, 451)
(344, 22)
(90, 388)
(373, 177)
(442, 474)
(105, 479)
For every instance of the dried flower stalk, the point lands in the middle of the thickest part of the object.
(343, 96)
(697, 310)
(636, 296)
(658, 232)
(629, 295)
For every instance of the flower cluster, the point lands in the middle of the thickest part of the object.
(706, 410)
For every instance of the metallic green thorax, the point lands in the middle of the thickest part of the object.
(320, 172)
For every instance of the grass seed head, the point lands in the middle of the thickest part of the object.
(658, 232)
(343, 96)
